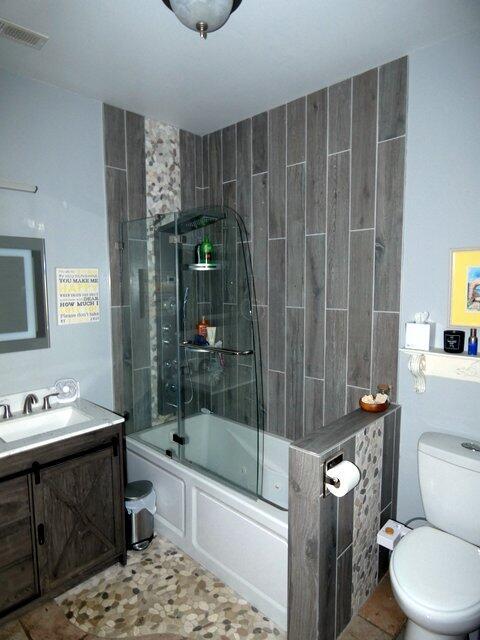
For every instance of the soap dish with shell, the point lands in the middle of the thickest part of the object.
(375, 404)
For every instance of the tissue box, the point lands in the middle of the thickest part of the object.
(418, 335)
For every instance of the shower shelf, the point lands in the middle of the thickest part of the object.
(208, 349)
(204, 267)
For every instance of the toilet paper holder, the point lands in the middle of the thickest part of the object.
(328, 464)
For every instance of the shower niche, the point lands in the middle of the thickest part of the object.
(196, 398)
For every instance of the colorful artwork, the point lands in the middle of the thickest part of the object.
(465, 288)
(473, 288)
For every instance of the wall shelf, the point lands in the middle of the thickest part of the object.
(456, 366)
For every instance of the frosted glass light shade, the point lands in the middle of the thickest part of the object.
(212, 12)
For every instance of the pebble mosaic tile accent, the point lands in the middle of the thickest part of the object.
(163, 180)
(162, 590)
(366, 512)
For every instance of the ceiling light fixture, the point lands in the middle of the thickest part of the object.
(203, 16)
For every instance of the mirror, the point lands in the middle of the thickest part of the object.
(23, 295)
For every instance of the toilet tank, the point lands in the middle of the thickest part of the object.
(449, 472)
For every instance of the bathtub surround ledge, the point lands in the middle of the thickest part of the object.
(335, 563)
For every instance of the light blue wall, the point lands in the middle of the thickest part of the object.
(442, 211)
(53, 138)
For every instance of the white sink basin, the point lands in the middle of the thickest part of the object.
(41, 423)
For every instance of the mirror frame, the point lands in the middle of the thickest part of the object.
(42, 339)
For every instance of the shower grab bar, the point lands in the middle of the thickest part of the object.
(207, 349)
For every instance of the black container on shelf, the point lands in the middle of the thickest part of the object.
(453, 341)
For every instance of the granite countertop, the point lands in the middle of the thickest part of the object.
(336, 433)
(87, 415)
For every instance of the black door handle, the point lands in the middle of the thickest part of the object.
(41, 534)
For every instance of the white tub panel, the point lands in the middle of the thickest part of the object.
(169, 490)
(241, 540)
(226, 534)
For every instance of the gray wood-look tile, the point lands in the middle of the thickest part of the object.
(335, 364)
(200, 196)
(339, 116)
(116, 195)
(294, 373)
(338, 230)
(313, 404)
(244, 173)
(295, 234)
(276, 402)
(277, 158)
(388, 239)
(353, 396)
(344, 589)
(261, 317)
(336, 433)
(117, 359)
(360, 308)
(385, 350)
(392, 108)
(314, 306)
(260, 236)
(316, 162)
(260, 142)
(245, 322)
(364, 143)
(198, 161)
(127, 369)
(230, 245)
(229, 135)
(187, 169)
(327, 567)
(114, 136)
(296, 131)
(206, 161)
(387, 459)
(135, 133)
(137, 250)
(215, 167)
(345, 505)
(396, 460)
(304, 555)
(142, 399)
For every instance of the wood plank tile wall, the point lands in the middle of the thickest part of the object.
(319, 183)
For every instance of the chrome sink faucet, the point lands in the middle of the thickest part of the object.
(7, 411)
(30, 400)
(46, 401)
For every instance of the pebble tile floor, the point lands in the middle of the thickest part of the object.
(162, 594)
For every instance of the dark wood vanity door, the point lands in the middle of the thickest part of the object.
(78, 516)
(18, 570)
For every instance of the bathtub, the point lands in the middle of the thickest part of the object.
(242, 540)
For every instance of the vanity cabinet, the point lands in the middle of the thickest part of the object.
(18, 577)
(61, 516)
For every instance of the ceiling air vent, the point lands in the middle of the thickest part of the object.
(20, 34)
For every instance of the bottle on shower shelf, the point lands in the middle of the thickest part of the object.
(202, 327)
(206, 251)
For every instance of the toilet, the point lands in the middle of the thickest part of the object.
(435, 569)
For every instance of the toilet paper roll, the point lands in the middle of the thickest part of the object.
(347, 473)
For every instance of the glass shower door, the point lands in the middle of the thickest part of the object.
(221, 422)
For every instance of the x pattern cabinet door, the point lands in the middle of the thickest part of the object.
(78, 516)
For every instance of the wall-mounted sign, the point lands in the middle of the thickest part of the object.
(77, 296)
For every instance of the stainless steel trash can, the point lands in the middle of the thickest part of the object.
(139, 518)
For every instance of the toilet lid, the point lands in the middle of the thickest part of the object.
(437, 570)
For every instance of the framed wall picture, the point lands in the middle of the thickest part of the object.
(465, 288)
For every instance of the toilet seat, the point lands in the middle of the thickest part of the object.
(436, 579)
